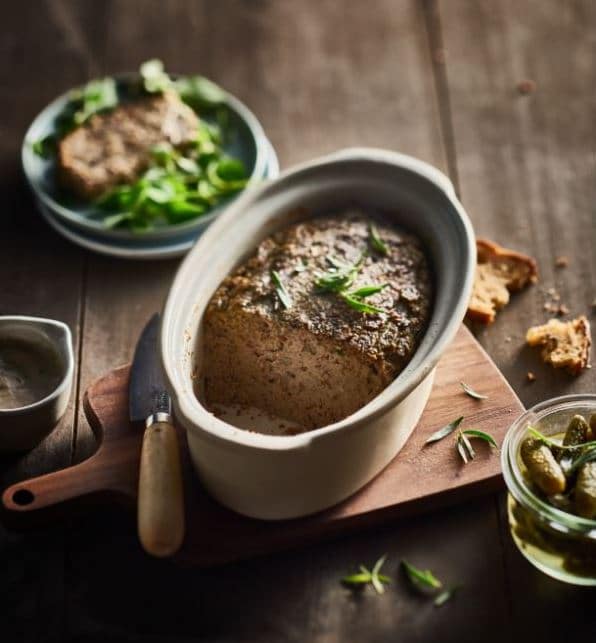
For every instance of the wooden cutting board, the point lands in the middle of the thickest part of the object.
(419, 478)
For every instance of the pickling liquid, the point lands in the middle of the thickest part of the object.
(28, 372)
(568, 558)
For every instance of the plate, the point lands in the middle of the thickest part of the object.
(246, 141)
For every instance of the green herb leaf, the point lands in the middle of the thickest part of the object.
(340, 276)
(464, 447)
(472, 393)
(445, 431)
(424, 579)
(280, 289)
(365, 576)
(359, 305)
(535, 433)
(445, 595)
(375, 240)
(474, 433)
(367, 291)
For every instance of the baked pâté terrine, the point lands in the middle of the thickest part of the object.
(318, 321)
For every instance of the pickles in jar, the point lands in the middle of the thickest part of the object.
(543, 468)
(564, 471)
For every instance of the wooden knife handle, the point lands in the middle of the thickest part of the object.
(161, 496)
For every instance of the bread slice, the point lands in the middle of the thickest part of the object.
(499, 272)
(564, 344)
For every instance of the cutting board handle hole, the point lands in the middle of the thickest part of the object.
(23, 497)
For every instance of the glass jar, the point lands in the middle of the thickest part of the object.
(558, 543)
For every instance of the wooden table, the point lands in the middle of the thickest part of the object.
(436, 81)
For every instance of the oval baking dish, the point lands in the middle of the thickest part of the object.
(278, 477)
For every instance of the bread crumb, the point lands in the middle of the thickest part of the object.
(530, 376)
(526, 86)
(562, 262)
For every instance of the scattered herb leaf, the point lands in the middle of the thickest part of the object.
(464, 447)
(375, 240)
(365, 577)
(475, 433)
(445, 431)
(445, 595)
(421, 579)
(468, 390)
(280, 289)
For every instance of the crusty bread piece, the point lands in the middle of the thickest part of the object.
(564, 344)
(499, 271)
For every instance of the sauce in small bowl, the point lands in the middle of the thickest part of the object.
(28, 372)
(36, 373)
(558, 542)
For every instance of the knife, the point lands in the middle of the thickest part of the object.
(161, 500)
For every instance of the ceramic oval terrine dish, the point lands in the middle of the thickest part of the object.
(272, 476)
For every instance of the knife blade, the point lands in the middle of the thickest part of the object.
(160, 512)
(147, 394)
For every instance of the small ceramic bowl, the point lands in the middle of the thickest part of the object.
(23, 427)
(560, 544)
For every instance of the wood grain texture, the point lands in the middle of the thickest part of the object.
(320, 75)
(526, 168)
(216, 535)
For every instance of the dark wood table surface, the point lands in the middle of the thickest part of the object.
(438, 81)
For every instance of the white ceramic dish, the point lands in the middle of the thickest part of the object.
(277, 477)
(23, 427)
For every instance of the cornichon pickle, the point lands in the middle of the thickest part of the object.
(542, 467)
(577, 431)
(585, 491)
